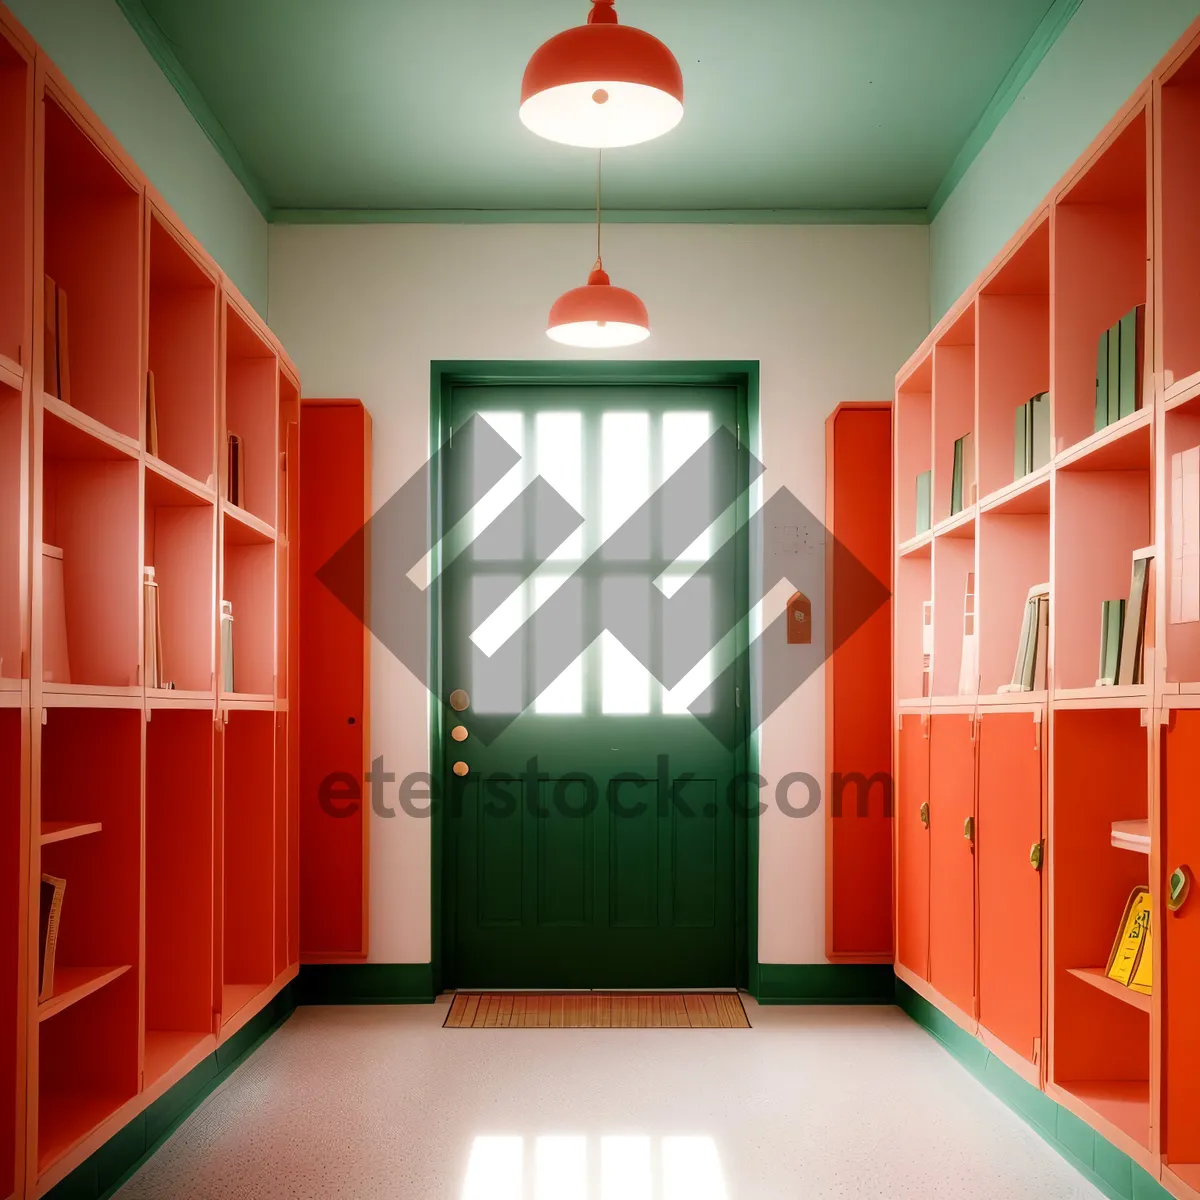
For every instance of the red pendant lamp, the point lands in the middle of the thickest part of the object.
(602, 85)
(598, 316)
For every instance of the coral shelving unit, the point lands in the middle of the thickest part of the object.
(170, 812)
(1101, 780)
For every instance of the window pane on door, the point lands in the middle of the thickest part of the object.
(497, 610)
(511, 427)
(625, 684)
(624, 476)
(559, 461)
(687, 638)
(683, 433)
(565, 694)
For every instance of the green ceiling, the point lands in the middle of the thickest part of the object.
(412, 104)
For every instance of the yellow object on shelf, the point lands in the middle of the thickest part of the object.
(1133, 938)
(1143, 973)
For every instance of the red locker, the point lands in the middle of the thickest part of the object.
(912, 877)
(1009, 851)
(952, 860)
(335, 505)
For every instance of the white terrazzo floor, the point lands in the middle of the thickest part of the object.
(384, 1104)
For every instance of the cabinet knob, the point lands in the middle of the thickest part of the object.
(925, 814)
(1178, 887)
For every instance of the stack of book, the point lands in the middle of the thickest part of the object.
(962, 482)
(50, 909)
(924, 501)
(1123, 628)
(1029, 671)
(1031, 435)
(1120, 359)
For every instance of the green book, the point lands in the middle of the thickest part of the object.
(1114, 373)
(956, 480)
(1038, 423)
(924, 501)
(1021, 457)
(1112, 620)
(1102, 381)
(1132, 337)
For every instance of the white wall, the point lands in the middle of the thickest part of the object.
(830, 313)
(1105, 52)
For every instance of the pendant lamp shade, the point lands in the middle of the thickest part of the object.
(602, 84)
(598, 315)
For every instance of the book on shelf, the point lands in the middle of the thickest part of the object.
(152, 628)
(1185, 536)
(1031, 435)
(1130, 944)
(151, 416)
(56, 661)
(236, 477)
(962, 482)
(49, 912)
(227, 675)
(1133, 633)
(1021, 451)
(1120, 364)
(968, 671)
(924, 501)
(1143, 973)
(1039, 431)
(1112, 620)
(927, 648)
(1029, 669)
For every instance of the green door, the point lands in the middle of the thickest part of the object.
(595, 833)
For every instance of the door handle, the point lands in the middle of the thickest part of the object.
(924, 814)
(1178, 888)
(1036, 855)
(969, 831)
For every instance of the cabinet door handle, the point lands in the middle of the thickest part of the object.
(969, 830)
(1179, 886)
(1037, 855)
(925, 814)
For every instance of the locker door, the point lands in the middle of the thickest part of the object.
(1181, 943)
(1010, 887)
(952, 860)
(912, 891)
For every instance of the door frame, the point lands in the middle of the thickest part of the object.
(448, 374)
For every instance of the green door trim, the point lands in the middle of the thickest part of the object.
(445, 375)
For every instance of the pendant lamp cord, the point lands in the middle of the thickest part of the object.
(599, 161)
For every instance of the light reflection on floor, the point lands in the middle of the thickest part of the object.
(576, 1167)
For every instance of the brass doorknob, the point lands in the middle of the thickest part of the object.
(460, 768)
(459, 733)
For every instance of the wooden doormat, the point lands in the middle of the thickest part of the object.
(597, 1010)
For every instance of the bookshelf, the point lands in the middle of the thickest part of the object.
(170, 810)
(1098, 779)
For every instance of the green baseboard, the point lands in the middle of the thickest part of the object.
(825, 983)
(105, 1171)
(366, 983)
(1096, 1158)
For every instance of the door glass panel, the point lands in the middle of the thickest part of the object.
(494, 689)
(683, 433)
(565, 694)
(559, 461)
(626, 685)
(511, 427)
(624, 475)
(686, 635)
